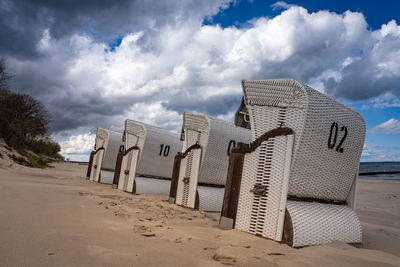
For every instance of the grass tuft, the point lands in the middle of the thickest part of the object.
(20, 160)
(37, 162)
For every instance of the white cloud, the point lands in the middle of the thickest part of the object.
(207, 61)
(77, 146)
(387, 100)
(390, 103)
(364, 107)
(77, 157)
(155, 114)
(280, 5)
(391, 126)
(380, 153)
(376, 70)
(157, 73)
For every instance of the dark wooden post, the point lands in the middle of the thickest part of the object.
(197, 201)
(175, 178)
(89, 170)
(232, 189)
(287, 235)
(117, 170)
(234, 175)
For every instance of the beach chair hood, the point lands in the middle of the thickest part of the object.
(150, 153)
(297, 188)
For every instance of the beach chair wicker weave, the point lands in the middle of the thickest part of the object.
(301, 190)
(103, 158)
(201, 171)
(150, 154)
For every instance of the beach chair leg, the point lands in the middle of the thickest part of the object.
(226, 223)
(171, 200)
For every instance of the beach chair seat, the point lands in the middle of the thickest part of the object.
(200, 172)
(103, 158)
(296, 181)
(146, 165)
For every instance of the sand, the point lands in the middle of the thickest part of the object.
(56, 217)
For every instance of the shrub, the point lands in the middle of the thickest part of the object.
(46, 147)
(24, 122)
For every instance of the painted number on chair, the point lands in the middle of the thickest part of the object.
(164, 150)
(333, 136)
(232, 144)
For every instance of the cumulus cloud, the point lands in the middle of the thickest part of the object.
(280, 5)
(387, 100)
(391, 126)
(23, 22)
(165, 65)
(76, 147)
(380, 153)
(375, 71)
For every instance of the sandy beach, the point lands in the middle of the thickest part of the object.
(54, 217)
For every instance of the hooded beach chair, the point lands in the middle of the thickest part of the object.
(103, 159)
(296, 181)
(146, 165)
(200, 172)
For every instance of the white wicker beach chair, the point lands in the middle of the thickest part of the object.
(296, 182)
(146, 165)
(200, 173)
(103, 159)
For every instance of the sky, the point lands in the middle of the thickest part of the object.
(96, 63)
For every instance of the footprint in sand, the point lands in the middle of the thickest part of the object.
(85, 193)
(148, 234)
(224, 259)
(140, 229)
(178, 240)
(229, 255)
(275, 254)
(122, 213)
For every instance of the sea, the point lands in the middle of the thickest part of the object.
(387, 170)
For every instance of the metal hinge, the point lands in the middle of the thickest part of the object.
(259, 189)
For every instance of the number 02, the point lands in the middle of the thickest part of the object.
(333, 134)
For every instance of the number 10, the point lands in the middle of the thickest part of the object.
(166, 150)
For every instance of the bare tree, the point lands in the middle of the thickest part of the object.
(22, 118)
(4, 76)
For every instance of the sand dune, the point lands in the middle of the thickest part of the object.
(55, 217)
